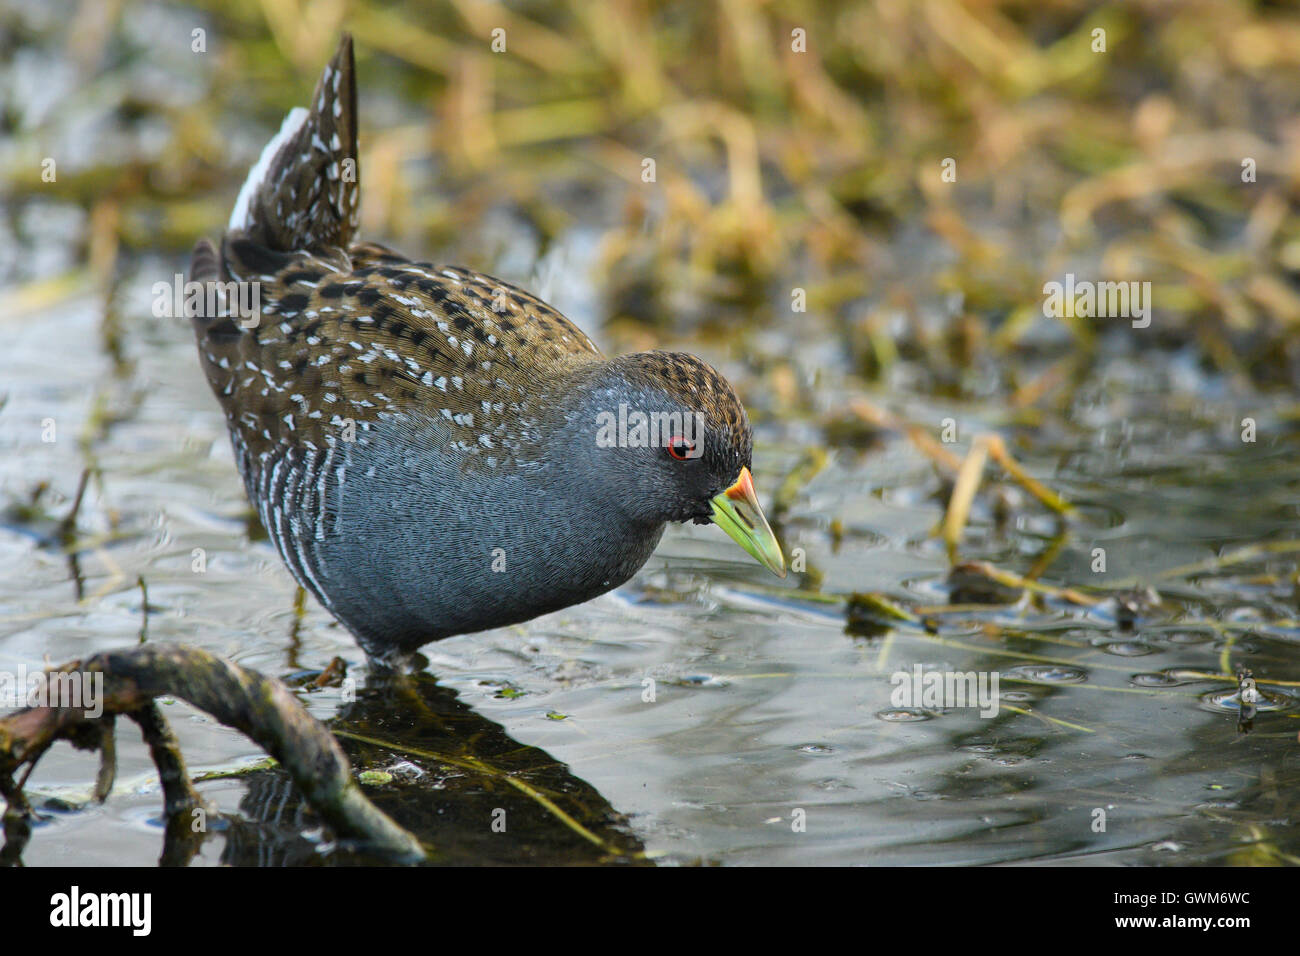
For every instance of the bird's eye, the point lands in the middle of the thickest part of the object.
(680, 448)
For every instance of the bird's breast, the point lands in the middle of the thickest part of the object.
(405, 544)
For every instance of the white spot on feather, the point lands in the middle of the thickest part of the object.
(241, 216)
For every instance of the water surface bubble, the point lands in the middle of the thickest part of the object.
(1186, 637)
(701, 680)
(1228, 701)
(817, 750)
(1170, 677)
(1126, 648)
(1017, 696)
(1048, 674)
(903, 716)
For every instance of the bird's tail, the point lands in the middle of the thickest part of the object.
(303, 192)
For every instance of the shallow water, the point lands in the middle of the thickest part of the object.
(772, 736)
(764, 705)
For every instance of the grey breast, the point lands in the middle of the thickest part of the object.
(398, 540)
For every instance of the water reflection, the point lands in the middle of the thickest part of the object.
(490, 800)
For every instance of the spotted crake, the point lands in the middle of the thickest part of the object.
(434, 451)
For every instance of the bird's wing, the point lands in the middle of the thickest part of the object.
(347, 338)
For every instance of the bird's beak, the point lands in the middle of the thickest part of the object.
(736, 511)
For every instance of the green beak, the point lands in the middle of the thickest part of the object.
(736, 511)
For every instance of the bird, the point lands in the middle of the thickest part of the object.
(434, 451)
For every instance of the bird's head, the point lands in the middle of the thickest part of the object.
(673, 443)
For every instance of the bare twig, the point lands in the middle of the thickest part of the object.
(256, 705)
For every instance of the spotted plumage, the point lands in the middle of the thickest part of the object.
(420, 441)
(386, 335)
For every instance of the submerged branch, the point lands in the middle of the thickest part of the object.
(260, 707)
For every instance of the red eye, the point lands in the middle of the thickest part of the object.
(680, 448)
